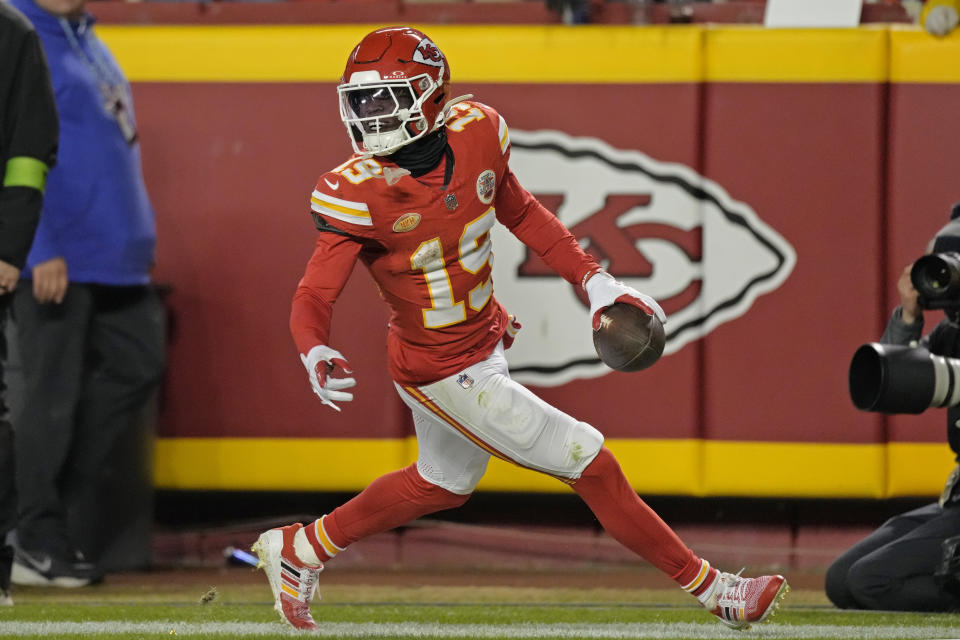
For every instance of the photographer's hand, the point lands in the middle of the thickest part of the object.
(910, 308)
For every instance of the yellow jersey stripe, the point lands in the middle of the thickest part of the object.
(345, 209)
(352, 216)
(504, 136)
(346, 217)
(324, 198)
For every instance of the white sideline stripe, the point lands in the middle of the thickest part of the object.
(709, 630)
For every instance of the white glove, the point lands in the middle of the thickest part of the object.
(941, 20)
(513, 328)
(320, 362)
(603, 291)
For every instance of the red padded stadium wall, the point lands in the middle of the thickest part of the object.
(922, 184)
(853, 174)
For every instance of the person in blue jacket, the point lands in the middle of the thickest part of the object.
(88, 323)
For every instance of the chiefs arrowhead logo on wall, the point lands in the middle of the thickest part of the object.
(659, 227)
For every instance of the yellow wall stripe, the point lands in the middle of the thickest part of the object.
(799, 470)
(314, 53)
(917, 468)
(654, 467)
(547, 54)
(916, 56)
(277, 463)
(756, 54)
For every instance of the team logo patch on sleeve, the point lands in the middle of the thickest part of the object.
(486, 185)
(406, 222)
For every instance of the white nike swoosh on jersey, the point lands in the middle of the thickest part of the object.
(332, 185)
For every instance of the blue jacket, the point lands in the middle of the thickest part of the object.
(96, 212)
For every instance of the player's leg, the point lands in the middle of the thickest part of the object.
(507, 419)
(448, 468)
(737, 601)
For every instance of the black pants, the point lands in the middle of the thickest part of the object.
(8, 495)
(88, 367)
(892, 568)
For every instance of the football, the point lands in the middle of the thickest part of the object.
(628, 339)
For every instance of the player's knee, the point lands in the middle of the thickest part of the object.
(441, 498)
(428, 493)
(565, 450)
(582, 448)
(604, 463)
(452, 500)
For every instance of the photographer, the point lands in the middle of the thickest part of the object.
(908, 564)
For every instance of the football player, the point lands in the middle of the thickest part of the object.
(429, 178)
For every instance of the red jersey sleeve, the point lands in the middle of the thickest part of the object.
(540, 230)
(327, 272)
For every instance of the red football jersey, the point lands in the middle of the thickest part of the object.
(428, 248)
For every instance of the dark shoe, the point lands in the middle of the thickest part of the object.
(37, 568)
(5, 599)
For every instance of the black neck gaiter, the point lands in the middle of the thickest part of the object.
(422, 156)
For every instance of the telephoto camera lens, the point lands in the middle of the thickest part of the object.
(936, 277)
(898, 379)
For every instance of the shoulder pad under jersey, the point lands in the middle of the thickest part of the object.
(470, 116)
(342, 196)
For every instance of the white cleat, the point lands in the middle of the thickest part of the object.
(738, 602)
(293, 584)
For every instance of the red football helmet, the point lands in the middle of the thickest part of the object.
(393, 90)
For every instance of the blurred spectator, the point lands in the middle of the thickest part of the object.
(88, 324)
(28, 148)
(911, 563)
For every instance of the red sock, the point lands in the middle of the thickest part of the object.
(636, 526)
(389, 502)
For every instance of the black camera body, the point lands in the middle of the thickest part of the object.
(901, 379)
(936, 277)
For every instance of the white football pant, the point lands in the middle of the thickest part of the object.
(465, 418)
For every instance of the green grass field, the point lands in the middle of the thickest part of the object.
(171, 604)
